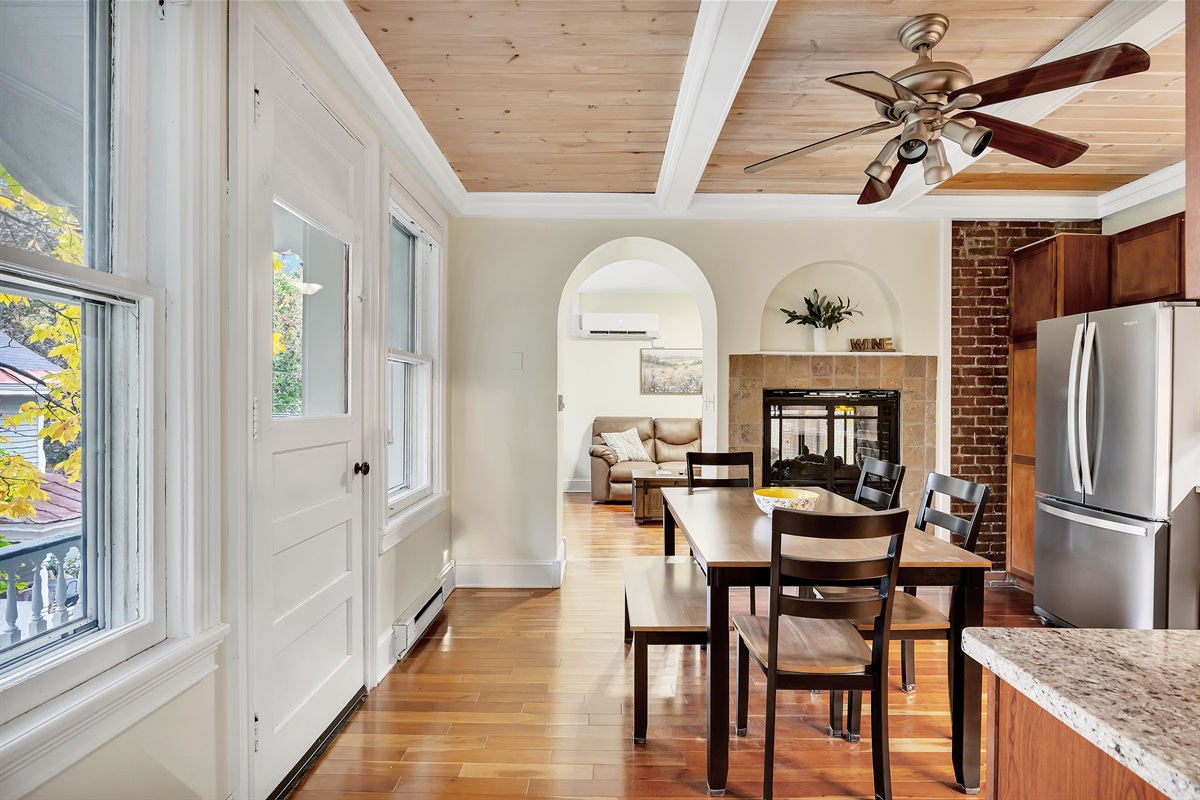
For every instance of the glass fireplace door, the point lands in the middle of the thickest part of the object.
(821, 438)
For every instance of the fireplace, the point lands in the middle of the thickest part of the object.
(819, 437)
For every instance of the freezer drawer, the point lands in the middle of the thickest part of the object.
(1097, 570)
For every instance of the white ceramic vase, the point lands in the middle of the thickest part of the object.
(820, 340)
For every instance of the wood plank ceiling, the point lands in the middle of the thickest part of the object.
(539, 95)
(785, 102)
(1134, 126)
(578, 95)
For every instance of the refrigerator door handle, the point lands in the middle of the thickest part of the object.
(1072, 392)
(1093, 522)
(1081, 415)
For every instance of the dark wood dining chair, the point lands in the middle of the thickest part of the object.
(914, 618)
(810, 642)
(730, 461)
(883, 492)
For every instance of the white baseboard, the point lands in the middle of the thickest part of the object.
(577, 485)
(509, 574)
(385, 654)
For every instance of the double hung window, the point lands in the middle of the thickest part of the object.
(75, 560)
(409, 364)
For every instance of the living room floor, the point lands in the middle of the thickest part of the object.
(528, 693)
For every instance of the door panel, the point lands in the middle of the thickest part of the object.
(1021, 520)
(1100, 570)
(1023, 437)
(1058, 343)
(1128, 397)
(307, 658)
(1035, 289)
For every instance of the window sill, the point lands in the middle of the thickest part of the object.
(39, 744)
(408, 521)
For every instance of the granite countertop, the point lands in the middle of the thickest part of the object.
(1133, 694)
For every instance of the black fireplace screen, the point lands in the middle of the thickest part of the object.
(820, 437)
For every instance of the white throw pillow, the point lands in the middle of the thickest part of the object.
(627, 445)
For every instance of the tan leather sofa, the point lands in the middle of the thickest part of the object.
(666, 441)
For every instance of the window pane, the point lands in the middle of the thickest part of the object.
(309, 343)
(402, 311)
(67, 388)
(399, 406)
(54, 123)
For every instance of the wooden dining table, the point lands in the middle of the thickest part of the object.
(731, 539)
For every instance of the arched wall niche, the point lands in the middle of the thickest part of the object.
(881, 315)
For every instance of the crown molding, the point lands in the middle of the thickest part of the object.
(1141, 22)
(723, 45)
(1167, 180)
(518, 205)
(342, 32)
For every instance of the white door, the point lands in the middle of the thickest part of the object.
(306, 592)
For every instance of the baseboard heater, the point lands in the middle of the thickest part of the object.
(407, 630)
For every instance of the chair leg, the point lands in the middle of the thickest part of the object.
(908, 666)
(640, 688)
(753, 592)
(835, 711)
(853, 729)
(743, 688)
(880, 759)
(769, 741)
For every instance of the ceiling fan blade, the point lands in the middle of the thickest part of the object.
(878, 87)
(821, 145)
(1098, 65)
(1040, 147)
(878, 191)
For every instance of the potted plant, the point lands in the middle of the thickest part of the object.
(823, 314)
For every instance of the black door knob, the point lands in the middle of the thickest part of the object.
(362, 469)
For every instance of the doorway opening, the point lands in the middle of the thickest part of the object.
(636, 351)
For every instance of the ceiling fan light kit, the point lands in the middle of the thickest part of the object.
(921, 97)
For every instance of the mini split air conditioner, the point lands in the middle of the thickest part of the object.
(615, 326)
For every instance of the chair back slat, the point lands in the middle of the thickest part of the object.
(973, 495)
(840, 608)
(858, 570)
(885, 493)
(740, 459)
(815, 525)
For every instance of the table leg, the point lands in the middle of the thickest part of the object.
(966, 683)
(718, 683)
(668, 531)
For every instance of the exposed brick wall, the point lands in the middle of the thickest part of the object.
(979, 358)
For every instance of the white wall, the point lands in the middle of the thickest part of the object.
(507, 277)
(173, 753)
(1139, 215)
(878, 314)
(601, 377)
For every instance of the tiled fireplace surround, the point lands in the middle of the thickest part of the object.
(914, 376)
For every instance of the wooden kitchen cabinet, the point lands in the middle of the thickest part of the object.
(1148, 263)
(1022, 446)
(1056, 277)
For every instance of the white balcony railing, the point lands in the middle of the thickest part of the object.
(43, 585)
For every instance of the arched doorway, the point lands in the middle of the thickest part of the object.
(691, 278)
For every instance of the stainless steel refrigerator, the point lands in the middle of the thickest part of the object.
(1117, 476)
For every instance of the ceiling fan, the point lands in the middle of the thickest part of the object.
(921, 97)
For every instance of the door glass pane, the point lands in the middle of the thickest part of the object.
(309, 342)
(54, 129)
(402, 311)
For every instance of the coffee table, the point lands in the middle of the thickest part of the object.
(647, 492)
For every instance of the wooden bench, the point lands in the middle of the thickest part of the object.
(666, 602)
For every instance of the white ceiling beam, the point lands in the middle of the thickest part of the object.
(723, 45)
(1141, 22)
(1167, 180)
(342, 32)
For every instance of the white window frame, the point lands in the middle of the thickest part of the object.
(406, 512)
(167, 110)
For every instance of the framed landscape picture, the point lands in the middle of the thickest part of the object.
(670, 371)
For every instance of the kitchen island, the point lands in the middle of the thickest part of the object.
(1085, 713)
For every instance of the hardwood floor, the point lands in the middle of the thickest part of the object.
(528, 693)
